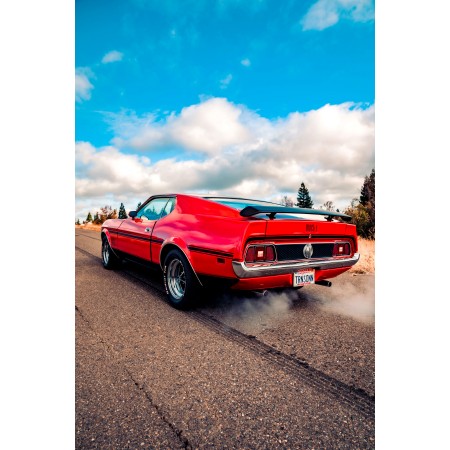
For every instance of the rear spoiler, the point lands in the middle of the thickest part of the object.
(249, 211)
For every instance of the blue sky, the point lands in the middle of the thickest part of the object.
(230, 97)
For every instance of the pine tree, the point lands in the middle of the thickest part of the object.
(138, 206)
(97, 220)
(303, 197)
(367, 199)
(368, 190)
(363, 212)
(89, 217)
(78, 222)
(122, 213)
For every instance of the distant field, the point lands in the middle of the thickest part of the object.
(89, 226)
(366, 264)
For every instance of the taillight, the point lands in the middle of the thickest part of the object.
(341, 249)
(260, 253)
(250, 257)
(270, 253)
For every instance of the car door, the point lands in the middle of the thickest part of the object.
(134, 235)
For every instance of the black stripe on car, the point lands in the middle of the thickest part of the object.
(193, 248)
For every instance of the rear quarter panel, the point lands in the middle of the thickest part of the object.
(209, 242)
(209, 234)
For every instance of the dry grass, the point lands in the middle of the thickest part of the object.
(366, 264)
(89, 226)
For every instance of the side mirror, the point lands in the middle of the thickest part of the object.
(132, 214)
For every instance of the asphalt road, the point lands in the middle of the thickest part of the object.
(292, 371)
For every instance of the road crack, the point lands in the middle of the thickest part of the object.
(177, 431)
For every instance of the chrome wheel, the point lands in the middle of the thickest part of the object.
(182, 286)
(105, 252)
(109, 259)
(176, 279)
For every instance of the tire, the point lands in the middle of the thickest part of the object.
(180, 282)
(109, 259)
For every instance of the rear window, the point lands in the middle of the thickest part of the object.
(240, 203)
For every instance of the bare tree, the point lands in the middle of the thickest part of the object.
(287, 201)
(107, 213)
(328, 206)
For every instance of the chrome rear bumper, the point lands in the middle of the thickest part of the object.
(243, 271)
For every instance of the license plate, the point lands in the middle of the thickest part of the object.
(303, 277)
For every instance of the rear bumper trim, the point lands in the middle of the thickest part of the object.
(243, 271)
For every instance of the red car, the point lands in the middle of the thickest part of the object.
(242, 244)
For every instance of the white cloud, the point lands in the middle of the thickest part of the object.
(112, 170)
(207, 128)
(326, 13)
(246, 62)
(83, 86)
(112, 56)
(226, 81)
(229, 150)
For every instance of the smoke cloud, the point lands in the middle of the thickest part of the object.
(252, 313)
(353, 297)
(350, 295)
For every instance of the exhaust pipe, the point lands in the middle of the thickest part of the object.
(263, 293)
(324, 283)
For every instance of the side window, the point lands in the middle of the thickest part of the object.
(153, 209)
(169, 207)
